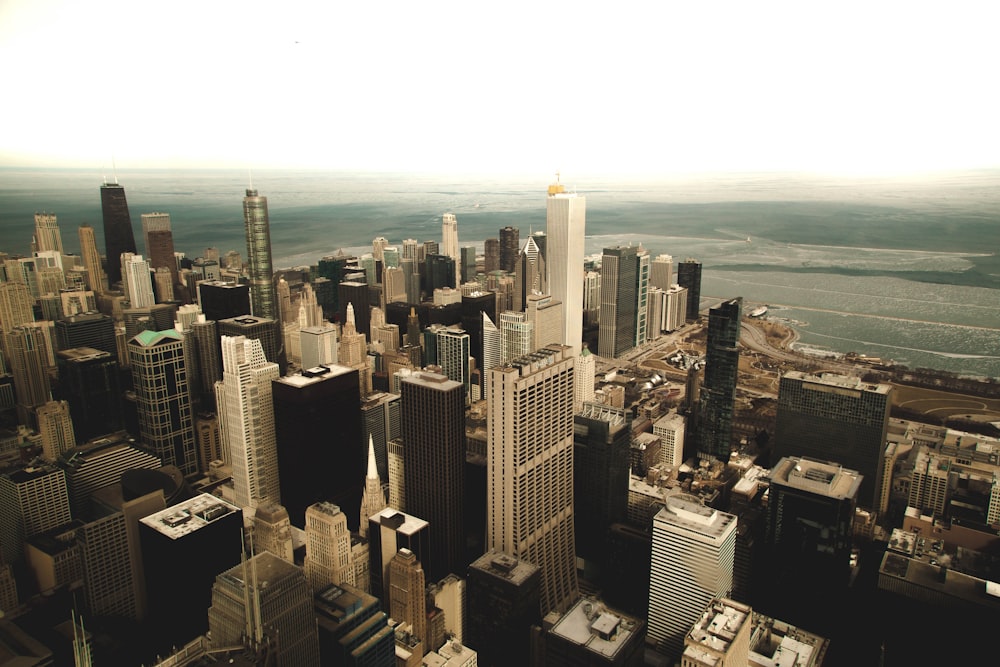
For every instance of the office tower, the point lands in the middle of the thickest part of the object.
(319, 345)
(491, 255)
(56, 428)
(118, 235)
(718, 391)
(530, 468)
(590, 633)
(204, 534)
(92, 330)
(835, 418)
(407, 600)
(47, 236)
(692, 562)
(26, 350)
(109, 588)
(137, 282)
(449, 242)
(265, 601)
(318, 427)
(394, 284)
(675, 302)
(545, 315)
(720, 636)
(209, 440)
(453, 352)
(583, 382)
(397, 477)
(411, 279)
(206, 269)
(328, 547)
(259, 268)
(381, 422)
(619, 284)
(670, 430)
(97, 464)
(810, 522)
(310, 312)
(88, 381)
(353, 630)
(163, 398)
(373, 498)
(96, 280)
(689, 277)
(163, 285)
(509, 246)
(267, 331)
(159, 241)
(246, 420)
(430, 248)
(642, 333)
(592, 298)
(601, 448)
(565, 226)
(202, 342)
(468, 263)
(529, 274)
(503, 596)
(515, 336)
(434, 432)
(439, 272)
(492, 350)
(221, 301)
(284, 296)
(33, 499)
(662, 272)
(388, 532)
(16, 305)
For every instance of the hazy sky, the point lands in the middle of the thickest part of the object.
(636, 87)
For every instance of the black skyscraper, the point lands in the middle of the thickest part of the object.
(118, 234)
(689, 276)
(88, 381)
(718, 391)
(220, 301)
(509, 247)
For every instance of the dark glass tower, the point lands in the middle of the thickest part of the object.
(689, 276)
(509, 246)
(434, 472)
(258, 231)
(619, 282)
(88, 380)
(718, 391)
(118, 235)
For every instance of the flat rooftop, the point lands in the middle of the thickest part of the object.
(313, 375)
(592, 625)
(401, 522)
(820, 477)
(839, 381)
(186, 517)
(718, 626)
(505, 566)
(687, 512)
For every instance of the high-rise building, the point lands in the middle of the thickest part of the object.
(530, 468)
(159, 239)
(221, 301)
(56, 428)
(96, 279)
(318, 427)
(662, 272)
(265, 601)
(328, 547)
(32, 500)
(381, 422)
(319, 345)
(246, 420)
(619, 284)
(163, 399)
(26, 350)
(137, 281)
(97, 464)
(449, 242)
(718, 391)
(530, 275)
(16, 305)
(642, 331)
(670, 430)
(118, 235)
(47, 236)
(545, 315)
(565, 226)
(109, 588)
(258, 234)
(503, 598)
(434, 432)
(583, 381)
(515, 335)
(689, 277)
(88, 381)
(389, 531)
(267, 331)
(509, 246)
(590, 633)
(692, 562)
(93, 330)
(407, 599)
(353, 630)
(468, 263)
(835, 418)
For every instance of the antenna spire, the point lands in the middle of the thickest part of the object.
(250, 176)
(114, 168)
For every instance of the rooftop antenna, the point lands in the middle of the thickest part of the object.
(114, 168)
(250, 176)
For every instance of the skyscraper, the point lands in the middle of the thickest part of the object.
(407, 599)
(137, 282)
(509, 246)
(26, 350)
(565, 223)
(689, 276)
(619, 281)
(662, 272)
(96, 280)
(258, 234)
(47, 236)
(583, 382)
(88, 381)
(835, 418)
(56, 427)
(246, 420)
(388, 532)
(692, 562)
(449, 242)
(529, 482)
(373, 498)
(434, 432)
(16, 305)
(32, 500)
(159, 240)
(159, 375)
(118, 235)
(718, 391)
(328, 547)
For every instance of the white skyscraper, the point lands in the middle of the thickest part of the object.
(565, 223)
(47, 236)
(449, 243)
(692, 562)
(246, 420)
(583, 385)
(529, 476)
(515, 335)
(138, 283)
(319, 345)
(662, 272)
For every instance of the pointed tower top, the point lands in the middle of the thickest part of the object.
(372, 468)
(350, 314)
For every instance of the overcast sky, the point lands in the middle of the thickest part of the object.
(623, 87)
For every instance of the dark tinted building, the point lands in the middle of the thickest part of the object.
(718, 391)
(118, 234)
(689, 276)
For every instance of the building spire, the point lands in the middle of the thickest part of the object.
(372, 468)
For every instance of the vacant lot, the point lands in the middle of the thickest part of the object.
(945, 405)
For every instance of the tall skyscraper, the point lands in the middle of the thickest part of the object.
(407, 599)
(221, 301)
(56, 428)
(718, 391)
(642, 331)
(137, 282)
(159, 240)
(619, 281)
(509, 245)
(319, 345)
(689, 276)
(246, 420)
(835, 418)
(692, 562)
(515, 335)
(389, 531)
(530, 275)
(159, 375)
(434, 432)
(47, 236)
(258, 233)
(565, 226)
(662, 272)
(16, 305)
(583, 382)
(449, 242)
(96, 279)
(88, 381)
(118, 235)
(328, 547)
(32, 500)
(491, 255)
(529, 482)
(26, 350)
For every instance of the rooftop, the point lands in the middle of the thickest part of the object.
(590, 624)
(186, 517)
(687, 512)
(399, 521)
(820, 477)
(502, 565)
(839, 381)
(313, 375)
